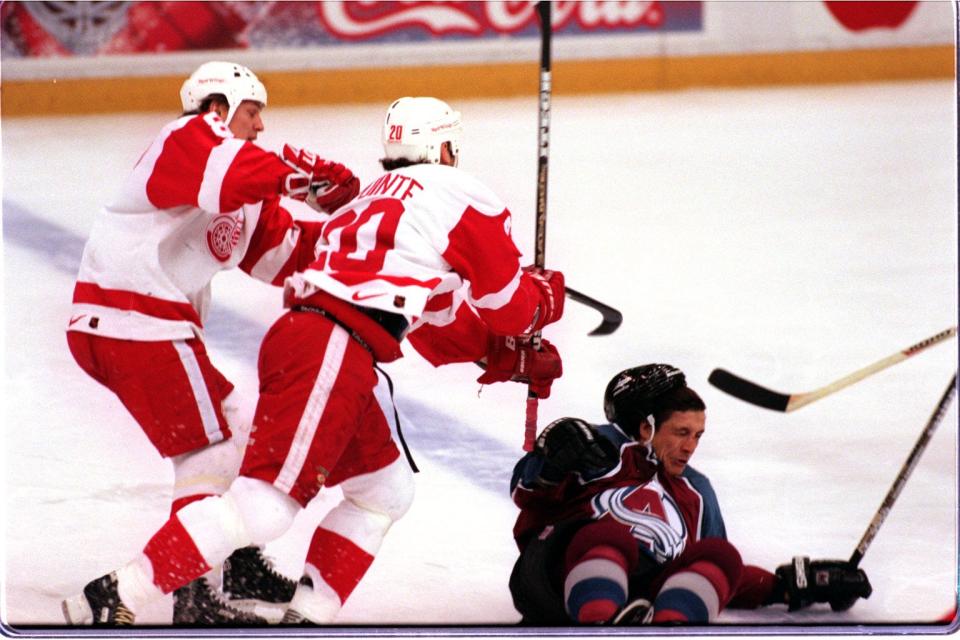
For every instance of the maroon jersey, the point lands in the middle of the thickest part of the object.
(664, 513)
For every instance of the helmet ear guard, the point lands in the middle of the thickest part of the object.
(631, 395)
(234, 81)
(415, 129)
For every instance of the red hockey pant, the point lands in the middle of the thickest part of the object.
(170, 388)
(317, 421)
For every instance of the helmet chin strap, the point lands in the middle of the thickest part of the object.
(653, 428)
(636, 432)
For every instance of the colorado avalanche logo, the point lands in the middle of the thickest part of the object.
(652, 515)
(223, 234)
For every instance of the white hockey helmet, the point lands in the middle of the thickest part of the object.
(416, 128)
(234, 81)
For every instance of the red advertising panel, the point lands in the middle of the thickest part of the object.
(45, 29)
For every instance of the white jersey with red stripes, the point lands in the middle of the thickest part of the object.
(420, 241)
(197, 202)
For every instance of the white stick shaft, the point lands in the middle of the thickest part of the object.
(801, 399)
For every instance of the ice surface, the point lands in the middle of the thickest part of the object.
(790, 235)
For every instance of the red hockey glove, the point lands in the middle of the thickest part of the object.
(324, 185)
(513, 358)
(552, 295)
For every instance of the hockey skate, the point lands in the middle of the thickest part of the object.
(197, 604)
(634, 613)
(292, 617)
(99, 605)
(252, 584)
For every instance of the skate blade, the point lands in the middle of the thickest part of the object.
(77, 611)
(272, 612)
(638, 612)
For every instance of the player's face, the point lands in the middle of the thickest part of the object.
(246, 122)
(446, 155)
(677, 438)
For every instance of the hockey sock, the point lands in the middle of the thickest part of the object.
(135, 584)
(205, 472)
(339, 562)
(693, 595)
(180, 503)
(199, 537)
(598, 560)
(596, 586)
(174, 556)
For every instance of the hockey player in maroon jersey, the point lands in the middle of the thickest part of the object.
(613, 519)
(202, 198)
(425, 248)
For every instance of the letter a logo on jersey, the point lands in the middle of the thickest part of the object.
(652, 515)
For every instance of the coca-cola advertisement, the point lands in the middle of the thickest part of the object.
(44, 29)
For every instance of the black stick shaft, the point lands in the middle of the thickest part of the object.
(543, 156)
(543, 132)
(905, 472)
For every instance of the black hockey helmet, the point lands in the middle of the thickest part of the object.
(631, 394)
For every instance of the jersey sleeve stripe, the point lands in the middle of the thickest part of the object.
(218, 163)
(497, 299)
(270, 265)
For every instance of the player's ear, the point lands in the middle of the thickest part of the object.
(646, 431)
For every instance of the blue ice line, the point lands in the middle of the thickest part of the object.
(483, 461)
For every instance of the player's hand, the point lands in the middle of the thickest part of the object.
(324, 185)
(513, 358)
(550, 286)
(573, 445)
(805, 582)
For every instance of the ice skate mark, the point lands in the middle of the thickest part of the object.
(160, 493)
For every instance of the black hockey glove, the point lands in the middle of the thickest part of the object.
(572, 445)
(835, 581)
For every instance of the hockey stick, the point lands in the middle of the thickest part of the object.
(612, 319)
(543, 149)
(762, 397)
(905, 472)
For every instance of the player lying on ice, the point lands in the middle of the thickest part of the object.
(615, 527)
(426, 248)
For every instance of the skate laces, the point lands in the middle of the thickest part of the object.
(224, 606)
(270, 566)
(292, 616)
(123, 616)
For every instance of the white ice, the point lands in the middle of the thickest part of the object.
(790, 235)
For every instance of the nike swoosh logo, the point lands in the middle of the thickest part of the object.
(76, 319)
(357, 297)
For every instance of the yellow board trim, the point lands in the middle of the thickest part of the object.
(570, 77)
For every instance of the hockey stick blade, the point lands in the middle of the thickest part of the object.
(612, 319)
(748, 391)
(755, 394)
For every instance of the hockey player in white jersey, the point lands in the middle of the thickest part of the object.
(202, 198)
(425, 248)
